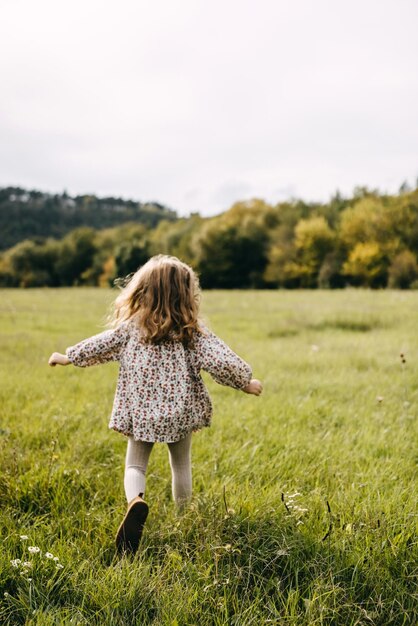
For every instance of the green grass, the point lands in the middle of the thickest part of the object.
(336, 424)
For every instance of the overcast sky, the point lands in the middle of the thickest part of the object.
(198, 103)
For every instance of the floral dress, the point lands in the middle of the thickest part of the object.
(160, 395)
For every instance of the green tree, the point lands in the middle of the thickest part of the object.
(313, 241)
(76, 254)
(366, 221)
(31, 264)
(129, 256)
(281, 267)
(233, 247)
(330, 275)
(403, 270)
(295, 258)
(366, 265)
(178, 238)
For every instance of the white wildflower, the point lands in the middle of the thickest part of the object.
(15, 562)
(379, 398)
(56, 559)
(27, 564)
(59, 566)
(24, 537)
(48, 555)
(34, 549)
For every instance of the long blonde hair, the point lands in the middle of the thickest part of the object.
(163, 298)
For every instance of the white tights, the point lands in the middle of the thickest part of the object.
(137, 456)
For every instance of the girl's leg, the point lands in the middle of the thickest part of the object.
(137, 456)
(181, 469)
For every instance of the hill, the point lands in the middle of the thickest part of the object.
(35, 214)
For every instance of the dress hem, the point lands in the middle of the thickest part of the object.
(131, 434)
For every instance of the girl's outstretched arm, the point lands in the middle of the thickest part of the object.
(225, 367)
(101, 348)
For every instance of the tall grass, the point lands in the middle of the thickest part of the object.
(304, 508)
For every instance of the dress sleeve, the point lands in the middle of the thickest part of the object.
(101, 348)
(225, 367)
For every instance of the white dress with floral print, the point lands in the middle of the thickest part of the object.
(160, 395)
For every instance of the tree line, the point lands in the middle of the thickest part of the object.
(26, 214)
(369, 240)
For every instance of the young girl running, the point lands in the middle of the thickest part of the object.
(160, 397)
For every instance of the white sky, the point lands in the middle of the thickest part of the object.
(198, 103)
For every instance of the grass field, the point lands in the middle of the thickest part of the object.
(304, 508)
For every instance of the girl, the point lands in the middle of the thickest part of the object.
(160, 397)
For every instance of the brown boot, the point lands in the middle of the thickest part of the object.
(130, 531)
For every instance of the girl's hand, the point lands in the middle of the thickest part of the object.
(254, 387)
(57, 358)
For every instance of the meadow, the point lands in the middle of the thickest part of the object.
(304, 508)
